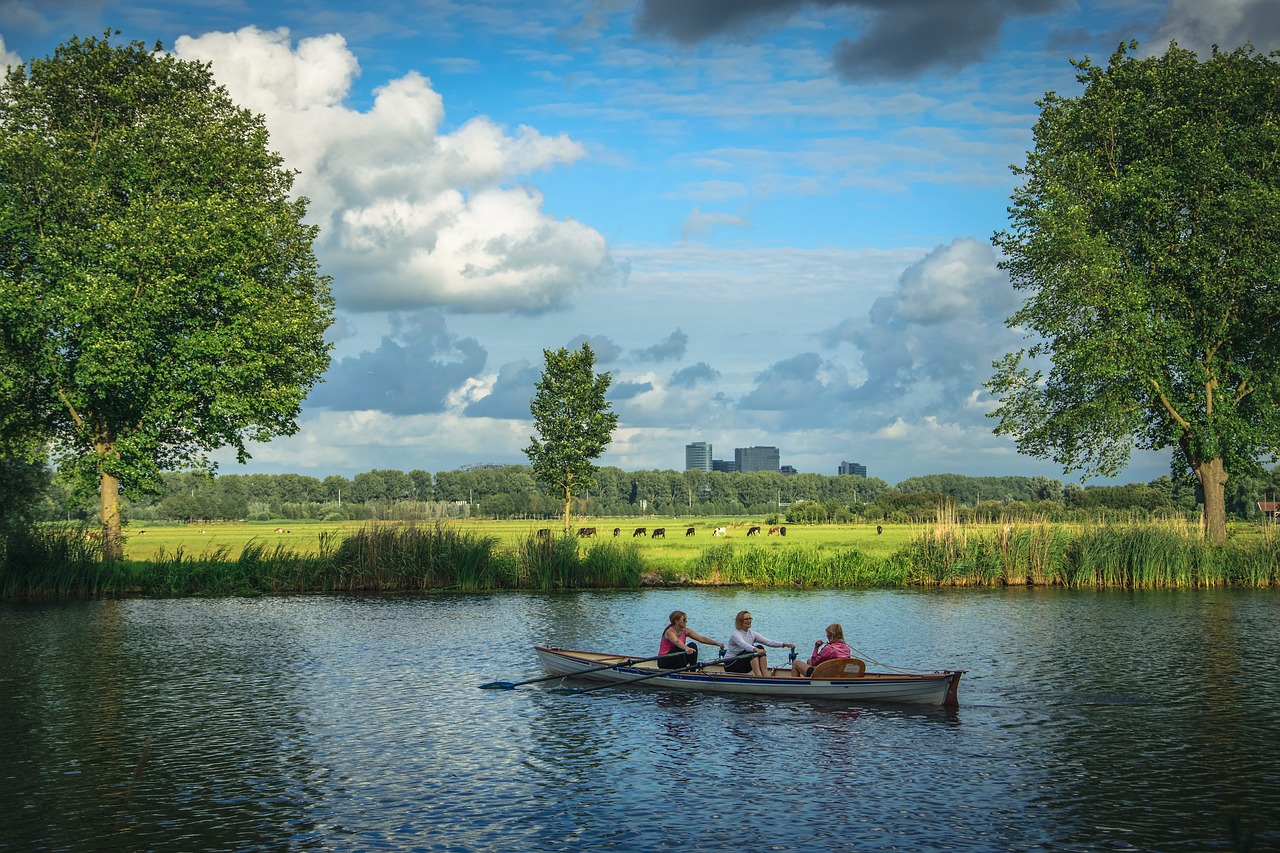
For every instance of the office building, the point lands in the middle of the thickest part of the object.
(756, 458)
(697, 456)
(853, 468)
(724, 466)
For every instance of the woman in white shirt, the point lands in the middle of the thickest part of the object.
(744, 640)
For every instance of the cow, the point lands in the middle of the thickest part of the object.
(720, 531)
(879, 530)
(689, 532)
(773, 531)
(617, 530)
(753, 530)
(782, 531)
(544, 533)
(640, 531)
(279, 530)
(659, 533)
(584, 532)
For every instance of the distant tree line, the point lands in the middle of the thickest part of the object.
(511, 492)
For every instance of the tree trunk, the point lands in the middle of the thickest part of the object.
(112, 537)
(1213, 480)
(568, 504)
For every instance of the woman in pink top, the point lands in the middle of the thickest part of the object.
(675, 640)
(835, 648)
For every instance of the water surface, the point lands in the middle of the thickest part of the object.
(1089, 720)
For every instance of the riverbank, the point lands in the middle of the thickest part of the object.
(59, 563)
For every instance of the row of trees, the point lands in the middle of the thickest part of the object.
(513, 492)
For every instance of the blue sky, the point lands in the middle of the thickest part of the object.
(770, 218)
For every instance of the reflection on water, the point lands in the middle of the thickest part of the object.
(1088, 720)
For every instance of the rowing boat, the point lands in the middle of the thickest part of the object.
(852, 683)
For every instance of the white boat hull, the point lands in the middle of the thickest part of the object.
(937, 688)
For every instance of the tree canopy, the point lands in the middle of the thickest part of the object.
(159, 296)
(1146, 238)
(573, 420)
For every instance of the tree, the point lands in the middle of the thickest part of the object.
(573, 421)
(1146, 237)
(158, 289)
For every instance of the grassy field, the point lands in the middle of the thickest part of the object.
(146, 541)
(258, 558)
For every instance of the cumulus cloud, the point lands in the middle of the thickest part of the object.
(1200, 24)
(410, 216)
(606, 350)
(8, 57)
(805, 389)
(672, 347)
(628, 389)
(897, 40)
(932, 341)
(694, 374)
(414, 370)
(510, 395)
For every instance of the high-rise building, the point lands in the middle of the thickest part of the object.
(725, 466)
(853, 468)
(697, 456)
(756, 458)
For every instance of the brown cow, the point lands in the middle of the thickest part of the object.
(544, 533)
(640, 531)
(584, 532)
(689, 532)
(659, 532)
(773, 531)
(753, 531)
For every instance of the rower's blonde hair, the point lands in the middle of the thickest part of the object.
(835, 632)
(738, 620)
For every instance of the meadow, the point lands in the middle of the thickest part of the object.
(148, 542)
(472, 555)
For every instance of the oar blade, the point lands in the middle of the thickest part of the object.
(498, 685)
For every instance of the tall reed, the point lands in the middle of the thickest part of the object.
(409, 557)
(49, 562)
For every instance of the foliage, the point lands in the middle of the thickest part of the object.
(573, 421)
(22, 484)
(1146, 238)
(158, 290)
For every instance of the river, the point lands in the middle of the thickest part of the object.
(1089, 720)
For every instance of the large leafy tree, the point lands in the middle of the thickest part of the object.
(1146, 237)
(573, 421)
(159, 296)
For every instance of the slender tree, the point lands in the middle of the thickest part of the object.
(159, 296)
(573, 421)
(1146, 237)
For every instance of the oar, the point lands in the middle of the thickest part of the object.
(663, 672)
(509, 685)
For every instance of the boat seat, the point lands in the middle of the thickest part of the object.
(839, 668)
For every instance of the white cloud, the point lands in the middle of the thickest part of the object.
(8, 57)
(410, 216)
(1200, 24)
(698, 222)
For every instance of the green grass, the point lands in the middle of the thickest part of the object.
(145, 541)
(478, 555)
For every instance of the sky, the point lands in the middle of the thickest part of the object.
(771, 219)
